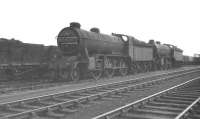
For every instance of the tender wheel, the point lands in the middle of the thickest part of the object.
(96, 74)
(64, 74)
(133, 69)
(145, 67)
(123, 68)
(139, 68)
(123, 71)
(109, 72)
(52, 75)
(75, 74)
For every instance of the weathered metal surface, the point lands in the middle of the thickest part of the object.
(139, 51)
(78, 40)
(163, 50)
(178, 56)
(142, 53)
(16, 52)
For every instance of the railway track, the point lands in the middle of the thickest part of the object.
(61, 104)
(179, 102)
(13, 87)
(17, 86)
(7, 87)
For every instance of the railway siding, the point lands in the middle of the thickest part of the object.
(71, 86)
(50, 104)
(177, 100)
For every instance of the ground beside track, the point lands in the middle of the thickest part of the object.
(73, 86)
(98, 108)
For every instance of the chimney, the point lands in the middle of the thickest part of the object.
(158, 42)
(75, 25)
(151, 41)
(96, 30)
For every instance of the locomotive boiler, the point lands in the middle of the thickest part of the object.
(92, 50)
(162, 55)
(75, 41)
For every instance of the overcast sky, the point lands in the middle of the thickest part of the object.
(39, 21)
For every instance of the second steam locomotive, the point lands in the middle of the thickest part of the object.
(94, 53)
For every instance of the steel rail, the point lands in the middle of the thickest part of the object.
(185, 113)
(134, 105)
(97, 86)
(29, 86)
(65, 104)
(36, 85)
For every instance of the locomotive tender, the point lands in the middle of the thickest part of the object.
(97, 53)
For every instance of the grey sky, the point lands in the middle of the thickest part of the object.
(39, 21)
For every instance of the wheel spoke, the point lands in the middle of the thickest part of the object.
(123, 71)
(75, 74)
(64, 74)
(123, 68)
(96, 74)
(109, 72)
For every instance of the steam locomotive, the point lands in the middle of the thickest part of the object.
(91, 52)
